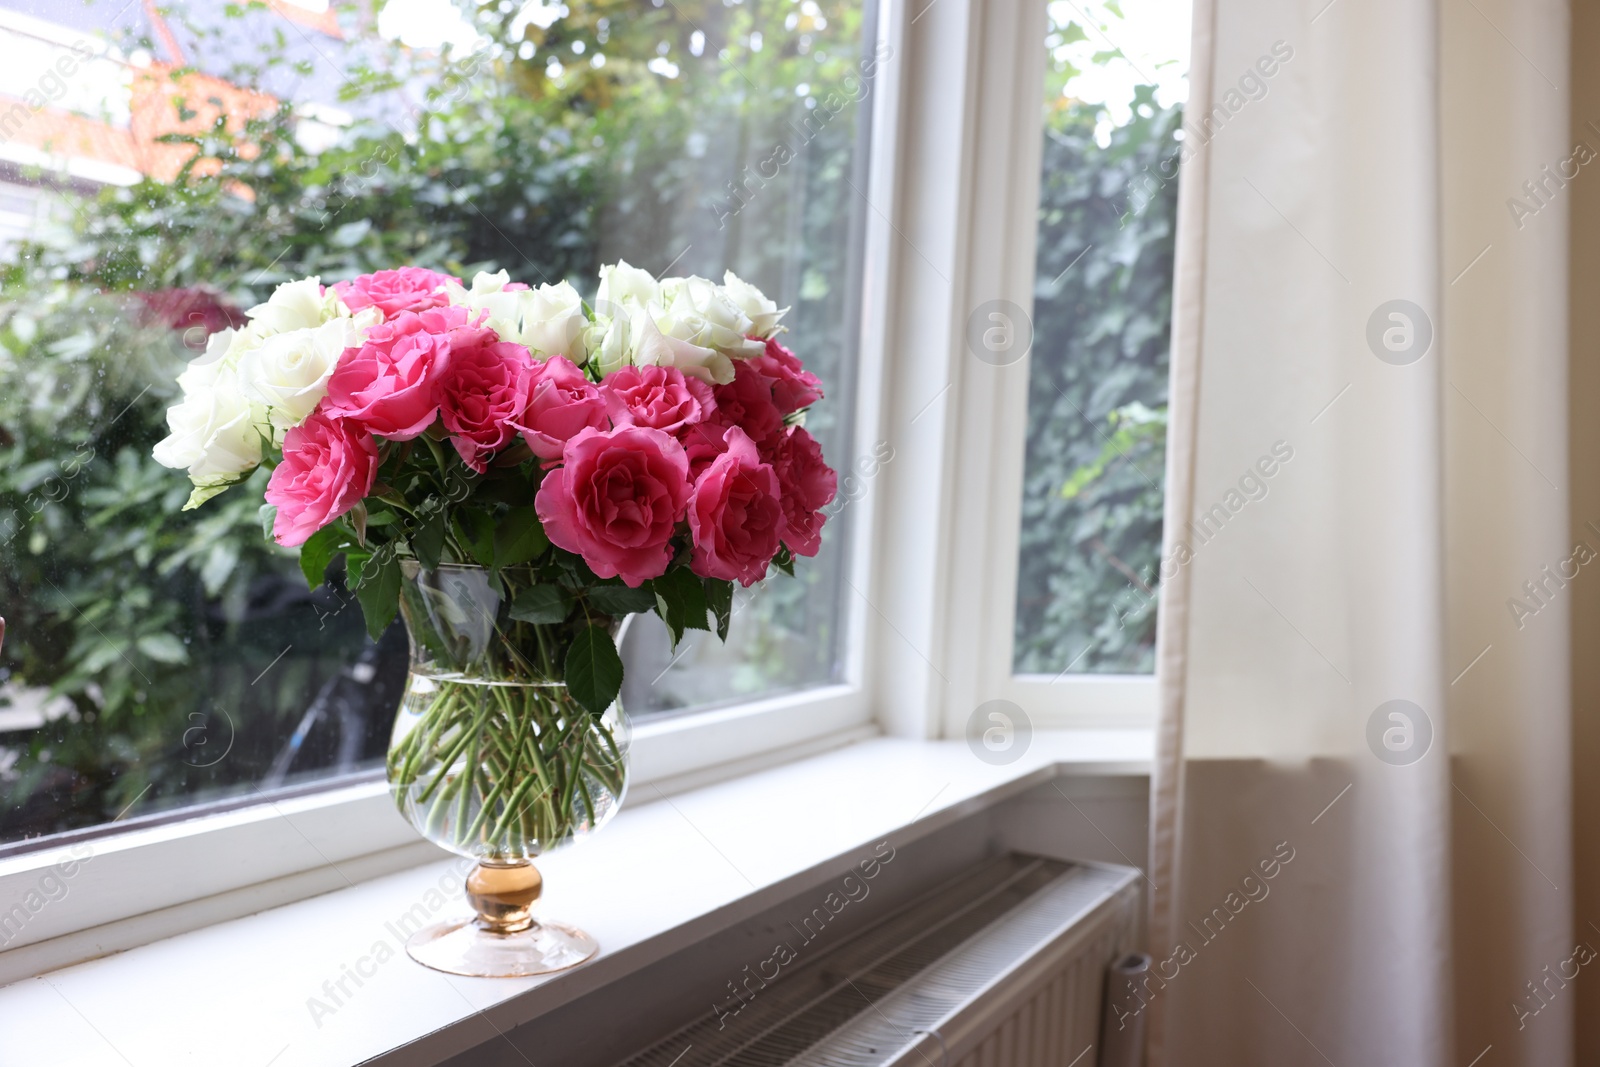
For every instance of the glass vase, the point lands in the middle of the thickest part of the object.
(492, 759)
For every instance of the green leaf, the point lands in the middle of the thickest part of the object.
(541, 604)
(318, 552)
(219, 563)
(719, 597)
(354, 560)
(519, 537)
(784, 560)
(379, 591)
(1137, 432)
(163, 648)
(267, 513)
(202, 493)
(594, 670)
(99, 658)
(475, 531)
(619, 600)
(427, 534)
(681, 601)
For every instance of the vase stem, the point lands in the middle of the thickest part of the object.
(503, 895)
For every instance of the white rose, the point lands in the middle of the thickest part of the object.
(548, 321)
(288, 372)
(622, 285)
(488, 293)
(764, 314)
(668, 289)
(554, 322)
(658, 348)
(609, 342)
(483, 284)
(702, 315)
(221, 354)
(213, 436)
(295, 306)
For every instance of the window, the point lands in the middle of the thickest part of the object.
(1097, 389)
(546, 138)
(158, 660)
(1056, 398)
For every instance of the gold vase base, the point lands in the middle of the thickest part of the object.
(504, 940)
(465, 947)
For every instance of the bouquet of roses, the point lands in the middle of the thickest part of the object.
(640, 455)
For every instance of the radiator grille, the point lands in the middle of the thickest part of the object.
(869, 1001)
(1058, 1026)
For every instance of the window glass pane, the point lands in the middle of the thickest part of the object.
(161, 172)
(1097, 391)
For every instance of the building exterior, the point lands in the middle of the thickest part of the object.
(88, 88)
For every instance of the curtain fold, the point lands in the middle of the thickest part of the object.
(1361, 806)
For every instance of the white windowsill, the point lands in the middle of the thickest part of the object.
(662, 875)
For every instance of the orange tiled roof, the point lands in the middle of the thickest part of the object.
(325, 21)
(157, 92)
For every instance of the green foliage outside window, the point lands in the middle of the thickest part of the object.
(1097, 393)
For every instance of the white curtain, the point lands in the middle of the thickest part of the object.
(1362, 806)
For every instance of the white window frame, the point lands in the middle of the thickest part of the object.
(994, 259)
(932, 573)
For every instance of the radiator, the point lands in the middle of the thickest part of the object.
(1003, 966)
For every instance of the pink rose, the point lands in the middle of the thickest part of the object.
(616, 499)
(793, 387)
(328, 465)
(746, 402)
(486, 387)
(394, 291)
(562, 403)
(659, 397)
(735, 515)
(703, 443)
(808, 484)
(184, 309)
(391, 384)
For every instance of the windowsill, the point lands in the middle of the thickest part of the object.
(662, 875)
